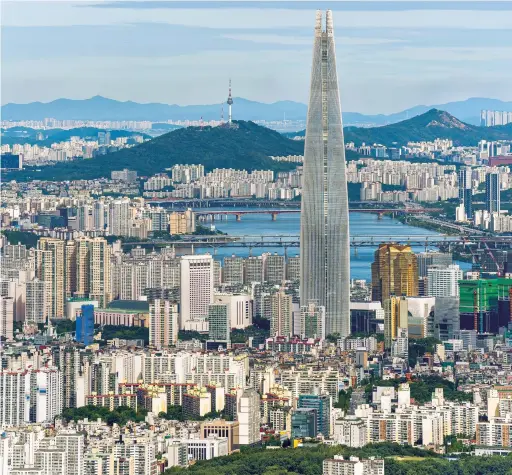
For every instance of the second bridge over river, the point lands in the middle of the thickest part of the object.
(211, 215)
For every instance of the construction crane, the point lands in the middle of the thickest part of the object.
(489, 251)
(473, 255)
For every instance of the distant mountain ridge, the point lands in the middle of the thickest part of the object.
(429, 126)
(101, 108)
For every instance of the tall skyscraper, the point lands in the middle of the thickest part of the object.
(394, 272)
(492, 192)
(465, 190)
(324, 230)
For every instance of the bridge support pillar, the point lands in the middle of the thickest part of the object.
(274, 216)
(379, 216)
(238, 217)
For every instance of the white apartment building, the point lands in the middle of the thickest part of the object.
(353, 466)
(6, 317)
(249, 417)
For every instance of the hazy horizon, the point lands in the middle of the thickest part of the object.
(392, 55)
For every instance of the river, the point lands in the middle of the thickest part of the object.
(289, 224)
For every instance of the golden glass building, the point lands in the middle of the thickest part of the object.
(394, 272)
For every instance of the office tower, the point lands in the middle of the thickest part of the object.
(274, 272)
(465, 190)
(420, 321)
(281, 322)
(366, 317)
(248, 416)
(395, 317)
(432, 258)
(6, 317)
(324, 231)
(444, 281)
(394, 272)
(50, 259)
(446, 318)
(35, 308)
(196, 291)
(304, 423)
(293, 268)
(163, 323)
(322, 404)
(219, 323)
(14, 407)
(233, 270)
(85, 325)
(240, 308)
(492, 192)
(312, 321)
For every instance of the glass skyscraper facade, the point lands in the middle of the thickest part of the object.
(324, 231)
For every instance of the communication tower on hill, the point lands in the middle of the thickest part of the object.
(229, 102)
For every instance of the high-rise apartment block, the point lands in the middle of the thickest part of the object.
(466, 190)
(163, 323)
(312, 321)
(281, 322)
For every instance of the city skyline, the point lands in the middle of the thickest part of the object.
(395, 54)
(324, 228)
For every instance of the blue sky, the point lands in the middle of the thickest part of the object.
(391, 54)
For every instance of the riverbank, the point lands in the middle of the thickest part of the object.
(420, 223)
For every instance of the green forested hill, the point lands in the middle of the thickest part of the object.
(246, 147)
(399, 460)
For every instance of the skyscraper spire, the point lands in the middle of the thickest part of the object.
(324, 230)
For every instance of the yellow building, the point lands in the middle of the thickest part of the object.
(394, 272)
(395, 317)
(182, 223)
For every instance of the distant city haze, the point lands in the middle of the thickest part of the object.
(391, 55)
